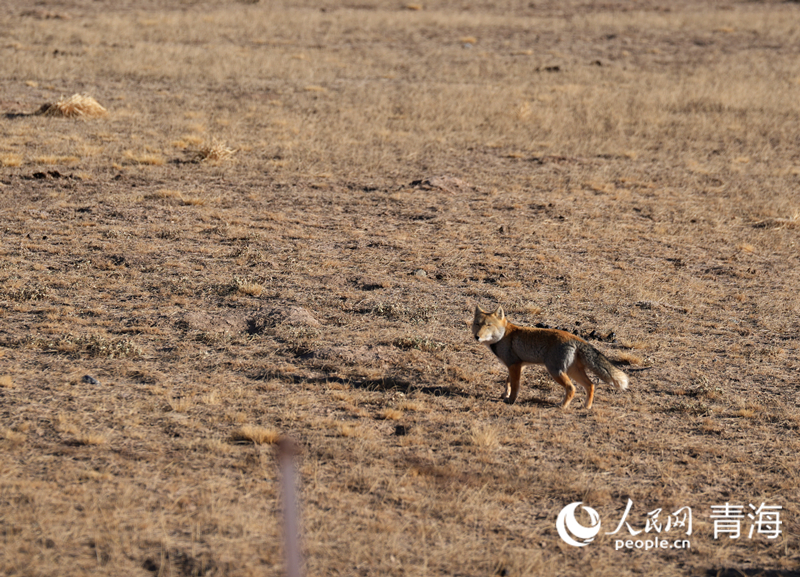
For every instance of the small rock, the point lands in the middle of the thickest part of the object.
(90, 379)
(444, 183)
(420, 273)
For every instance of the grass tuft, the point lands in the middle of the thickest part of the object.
(391, 414)
(247, 287)
(215, 152)
(484, 436)
(76, 106)
(145, 158)
(419, 343)
(10, 159)
(256, 435)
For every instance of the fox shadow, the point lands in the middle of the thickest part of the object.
(535, 402)
(406, 387)
(385, 384)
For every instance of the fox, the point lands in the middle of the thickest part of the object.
(565, 356)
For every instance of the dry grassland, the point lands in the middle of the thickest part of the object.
(280, 226)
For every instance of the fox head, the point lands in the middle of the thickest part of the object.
(489, 328)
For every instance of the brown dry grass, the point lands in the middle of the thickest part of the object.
(596, 168)
(215, 152)
(76, 106)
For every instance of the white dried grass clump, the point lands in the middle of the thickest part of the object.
(76, 106)
(215, 152)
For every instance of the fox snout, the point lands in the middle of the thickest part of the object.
(489, 335)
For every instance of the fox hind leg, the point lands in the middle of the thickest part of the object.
(569, 389)
(578, 374)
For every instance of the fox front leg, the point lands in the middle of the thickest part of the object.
(512, 384)
(507, 394)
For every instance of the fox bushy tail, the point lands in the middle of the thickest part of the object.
(602, 367)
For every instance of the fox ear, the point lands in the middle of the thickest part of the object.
(499, 313)
(479, 310)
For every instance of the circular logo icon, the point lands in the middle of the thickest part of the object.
(572, 532)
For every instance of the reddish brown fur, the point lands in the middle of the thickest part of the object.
(565, 356)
